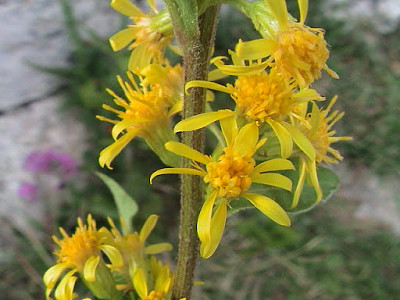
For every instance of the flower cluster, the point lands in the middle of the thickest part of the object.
(275, 138)
(110, 264)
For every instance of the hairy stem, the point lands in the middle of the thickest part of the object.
(197, 51)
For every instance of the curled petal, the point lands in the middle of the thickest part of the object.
(186, 151)
(89, 269)
(204, 220)
(284, 137)
(176, 171)
(275, 164)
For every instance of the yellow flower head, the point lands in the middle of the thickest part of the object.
(156, 283)
(132, 249)
(145, 112)
(81, 253)
(318, 129)
(265, 97)
(298, 51)
(148, 36)
(230, 176)
(321, 134)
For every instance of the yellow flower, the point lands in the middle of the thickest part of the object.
(265, 97)
(81, 253)
(229, 177)
(321, 136)
(132, 249)
(154, 284)
(147, 111)
(148, 36)
(298, 51)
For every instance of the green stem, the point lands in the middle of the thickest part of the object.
(197, 51)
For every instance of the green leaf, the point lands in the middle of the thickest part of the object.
(327, 179)
(127, 207)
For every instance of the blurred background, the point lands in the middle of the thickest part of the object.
(55, 63)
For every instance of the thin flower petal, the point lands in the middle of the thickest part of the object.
(65, 288)
(122, 38)
(125, 124)
(202, 120)
(89, 269)
(176, 171)
(108, 154)
(300, 183)
(186, 151)
(273, 179)
(256, 49)
(51, 276)
(301, 140)
(303, 7)
(204, 220)
(269, 208)
(163, 280)
(312, 173)
(273, 165)
(284, 138)
(207, 85)
(279, 9)
(246, 139)
(148, 227)
(241, 70)
(113, 255)
(229, 129)
(126, 8)
(140, 283)
(217, 230)
(158, 248)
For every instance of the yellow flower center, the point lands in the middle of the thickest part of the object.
(75, 250)
(155, 295)
(302, 53)
(147, 106)
(230, 174)
(263, 96)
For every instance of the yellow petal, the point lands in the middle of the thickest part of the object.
(176, 171)
(256, 49)
(140, 283)
(306, 95)
(51, 276)
(269, 208)
(217, 229)
(158, 248)
(204, 220)
(284, 137)
(273, 179)
(229, 129)
(303, 7)
(273, 165)
(202, 120)
(122, 38)
(152, 5)
(65, 288)
(279, 9)
(207, 85)
(312, 173)
(140, 58)
(163, 280)
(186, 151)
(113, 255)
(242, 70)
(89, 269)
(124, 124)
(177, 107)
(108, 154)
(246, 140)
(300, 183)
(148, 227)
(126, 8)
(301, 140)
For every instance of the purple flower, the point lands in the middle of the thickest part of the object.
(48, 160)
(28, 191)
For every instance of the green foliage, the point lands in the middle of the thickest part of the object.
(127, 207)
